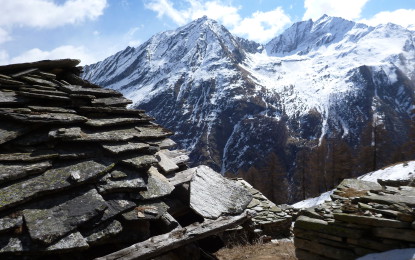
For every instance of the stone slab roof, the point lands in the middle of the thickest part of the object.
(81, 174)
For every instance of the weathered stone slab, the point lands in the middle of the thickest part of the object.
(44, 91)
(329, 251)
(370, 221)
(141, 162)
(9, 223)
(50, 182)
(34, 80)
(157, 185)
(72, 242)
(24, 72)
(167, 144)
(127, 147)
(44, 96)
(11, 130)
(179, 157)
(117, 204)
(75, 133)
(74, 89)
(52, 109)
(211, 195)
(121, 181)
(5, 81)
(389, 199)
(359, 185)
(373, 244)
(15, 171)
(43, 118)
(28, 157)
(112, 101)
(102, 233)
(322, 226)
(178, 178)
(166, 164)
(114, 110)
(48, 220)
(106, 122)
(146, 210)
(43, 65)
(10, 99)
(393, 233)
(46, 75)
(150, 132)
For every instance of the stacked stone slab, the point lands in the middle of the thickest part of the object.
(82, 176)
(363, 218)
(269, 220)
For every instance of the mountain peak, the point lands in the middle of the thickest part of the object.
(305, 36)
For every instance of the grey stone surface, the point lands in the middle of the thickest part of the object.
(43, 118)
(122, 180)
(39, 81)
(146, 210)
(157, 185)
(44, 96)
(112, 101)
(102, 233)
(52, 109)
(359, 185)
(15, 171)
(117, 204)
(50, 182)
(125, 147)
(48, 221)
(370, 221)
(74, 89)
(107, 122)
(76, 134)
(211, 195)
(165, 163)
(11, 130)
(141, 162)
(8, 223)
(179, 157)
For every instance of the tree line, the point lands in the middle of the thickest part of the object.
(322, 167)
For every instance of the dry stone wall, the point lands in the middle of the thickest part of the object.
(363, 218)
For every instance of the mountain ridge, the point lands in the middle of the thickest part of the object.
(233, 102)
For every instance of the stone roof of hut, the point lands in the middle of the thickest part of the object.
(82, 174)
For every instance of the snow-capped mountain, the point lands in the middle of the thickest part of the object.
(232, 102)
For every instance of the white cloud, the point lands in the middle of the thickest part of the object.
(4, 36)
(261, 26)
(165, 8)
(48, 14)
(62, 52)
(403, 17)
(350, 9)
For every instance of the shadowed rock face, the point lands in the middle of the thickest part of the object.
(81, 175)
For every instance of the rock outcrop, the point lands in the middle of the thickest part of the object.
(82, 176)
(363, 218)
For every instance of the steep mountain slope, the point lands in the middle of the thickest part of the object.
(232, 102)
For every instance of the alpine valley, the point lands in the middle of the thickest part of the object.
(325, 100)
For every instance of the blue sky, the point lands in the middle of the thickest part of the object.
(92, 30)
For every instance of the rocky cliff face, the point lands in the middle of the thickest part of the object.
(232, 102)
